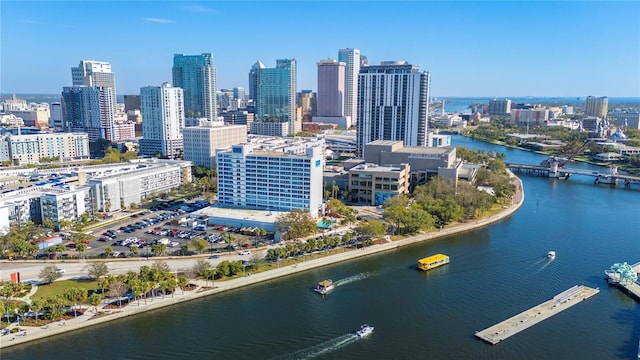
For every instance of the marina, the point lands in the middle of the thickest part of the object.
(536, 314)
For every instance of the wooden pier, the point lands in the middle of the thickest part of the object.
(536, 314)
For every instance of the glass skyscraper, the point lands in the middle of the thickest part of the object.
(275, 98)
(196, 75)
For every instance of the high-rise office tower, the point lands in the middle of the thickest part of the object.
(238, 93)
(596, 106)
(330, 88)
(393, 104)
(330, 99)
(196, 75)
(94, 73)
(162, 120)
(275, 98)
(89, 109)
(351, 58)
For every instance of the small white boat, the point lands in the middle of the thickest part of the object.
(324, 287)
(364, 330)
(551, 255)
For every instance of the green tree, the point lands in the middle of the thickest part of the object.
(95, 300)
(295, 224)
(48, 223)
(50, 273)
(75, 296)
(199, 244)
(183, 282)
(97, 270)
(372, 229)
(201, 267)
(36, 305)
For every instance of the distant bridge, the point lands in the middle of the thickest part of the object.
(557, 172)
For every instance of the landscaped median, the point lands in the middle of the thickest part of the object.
(283, 268)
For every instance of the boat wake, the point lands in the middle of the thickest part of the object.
(323, 348)
(353, 278)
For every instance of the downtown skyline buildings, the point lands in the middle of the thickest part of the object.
(196, 76)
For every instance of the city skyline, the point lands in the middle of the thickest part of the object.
(470, 48)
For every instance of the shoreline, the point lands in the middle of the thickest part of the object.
(86, 320)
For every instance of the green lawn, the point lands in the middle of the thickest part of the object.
(57, 287)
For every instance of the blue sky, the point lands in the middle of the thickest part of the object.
(477, 48)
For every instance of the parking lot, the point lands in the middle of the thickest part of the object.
(160, 225)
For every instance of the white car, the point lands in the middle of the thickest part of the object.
(60, 271)
(244, 252)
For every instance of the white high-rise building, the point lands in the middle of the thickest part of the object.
(351, 58)
(277, 175)
(94, 73)
(393, 103)
(162, 120)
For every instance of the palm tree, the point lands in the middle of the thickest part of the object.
(95, 300)
(36, 305)
(183, 282)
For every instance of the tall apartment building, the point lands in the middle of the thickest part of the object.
(596, 106)
(162, 120)
(29, 149)
(275, 93)
(94, 73)
(276, 176)
(89, 109)
(499, 107)
(196, 75)
(352, 60)
(393, 103)
(308, 103)
(201, 142)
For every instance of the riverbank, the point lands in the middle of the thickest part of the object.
(207, 288)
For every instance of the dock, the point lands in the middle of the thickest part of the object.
(631, 287)
(536, 314)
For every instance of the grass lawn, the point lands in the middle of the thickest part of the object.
(57, 287)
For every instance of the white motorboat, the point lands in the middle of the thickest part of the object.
(364, 330)
(324, 287)
(551, 255)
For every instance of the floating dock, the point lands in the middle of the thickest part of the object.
(536, 314)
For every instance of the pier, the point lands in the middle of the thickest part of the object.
(536, 314)
(630, 287)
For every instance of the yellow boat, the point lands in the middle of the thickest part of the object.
(433, 261)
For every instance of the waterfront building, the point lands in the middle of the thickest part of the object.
(89, 109)
(438, 140)
(279, 174)
(373, 184)
(591, 123)
(200, 142)
(196, 75)
(424, 162)
(536, 116)
(275, 98)
(499, 107)
(393, 104)
(162, 120)
(30, 149)
(352, 60)
(596, 106)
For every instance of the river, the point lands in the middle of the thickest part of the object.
(495, 272)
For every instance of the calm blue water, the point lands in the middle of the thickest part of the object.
(495, 272)
(461, 104)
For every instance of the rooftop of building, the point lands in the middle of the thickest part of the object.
(241, 214)
(377, 168)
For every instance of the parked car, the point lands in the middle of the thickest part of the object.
(245, 252)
